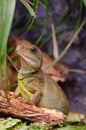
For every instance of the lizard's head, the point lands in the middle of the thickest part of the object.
(31, 58)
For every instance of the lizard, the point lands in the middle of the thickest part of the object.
(35, 85)
(38, 87)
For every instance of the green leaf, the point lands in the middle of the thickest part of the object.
(6, 15)
(79, 16)
(72, 127)
(8, 123)
(30, 22)
(16, 58)
(35, 4)
(84, 1)
(46, 2)
(28, 7)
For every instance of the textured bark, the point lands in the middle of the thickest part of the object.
(20, 108)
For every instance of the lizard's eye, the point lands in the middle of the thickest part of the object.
(33, 50)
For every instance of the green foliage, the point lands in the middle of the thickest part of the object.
(84, 1)
(8, 123)
(28, 7)
(67, 47)
(46, 2)
(7, 8)
(17, 124)
(40, 126)
(32, 8)
(73, 127)
(6, 15)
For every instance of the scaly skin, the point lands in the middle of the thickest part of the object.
(34, 84)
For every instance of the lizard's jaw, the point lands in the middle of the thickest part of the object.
(27, 60)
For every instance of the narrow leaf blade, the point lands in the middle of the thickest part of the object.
(28, 7)
(84, 1)
(6, 15)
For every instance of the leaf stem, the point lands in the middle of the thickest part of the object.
(67, 47)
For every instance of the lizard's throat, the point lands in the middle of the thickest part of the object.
(27, 68)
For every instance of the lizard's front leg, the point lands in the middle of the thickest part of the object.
(37, 94)
(21, 90)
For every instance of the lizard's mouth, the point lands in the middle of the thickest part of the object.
(28, 60)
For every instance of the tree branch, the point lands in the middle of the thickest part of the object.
(23, 109)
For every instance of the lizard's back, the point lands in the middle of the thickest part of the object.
(53, 96)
